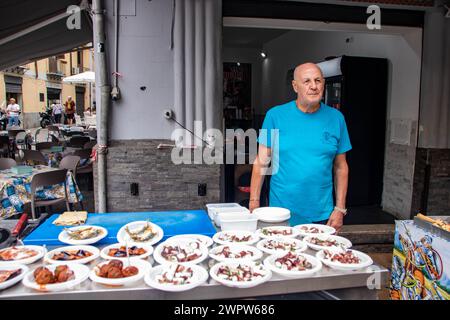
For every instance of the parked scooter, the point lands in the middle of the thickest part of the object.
(4, 120)
(46, 118)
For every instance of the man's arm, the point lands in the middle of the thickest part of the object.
(340, 184)
(259, 165)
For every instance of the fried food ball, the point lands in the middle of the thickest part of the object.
(59, 269)
(63, 274)
(115, 272)
(44, 276)
(103, 270)
(38, 269)
(130, 271)
(116, 263)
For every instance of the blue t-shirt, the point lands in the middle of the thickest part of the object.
(303, 152)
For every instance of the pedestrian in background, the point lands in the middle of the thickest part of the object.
(13, 111)
(57, 111)
(69, 110)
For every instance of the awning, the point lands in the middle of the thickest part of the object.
(85, 77)
(30, 30)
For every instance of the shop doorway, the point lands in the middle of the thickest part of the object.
(275, 46)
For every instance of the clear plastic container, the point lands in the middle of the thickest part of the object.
(212, 206)
(246, 221)
(217, 213)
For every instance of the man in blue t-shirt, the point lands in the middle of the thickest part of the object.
(303, 141)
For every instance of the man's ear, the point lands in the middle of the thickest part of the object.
(294, 86)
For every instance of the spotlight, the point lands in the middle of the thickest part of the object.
(238, 64)
(263, 55)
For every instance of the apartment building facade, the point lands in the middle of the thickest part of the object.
(38, 84)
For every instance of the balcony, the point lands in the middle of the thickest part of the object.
(55, 69)
(16, 70)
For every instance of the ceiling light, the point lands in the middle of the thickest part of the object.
(263, 55)
(238, 64)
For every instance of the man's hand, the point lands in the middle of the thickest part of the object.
(253, 204)
(336, 220)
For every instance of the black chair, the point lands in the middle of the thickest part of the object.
(5, 146)
(90, 144)
(45, 145)
(78, 141)
(44, 179)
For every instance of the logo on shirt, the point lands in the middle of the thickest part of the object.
(328, 138)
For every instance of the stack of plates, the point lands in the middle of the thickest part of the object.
(272, 214)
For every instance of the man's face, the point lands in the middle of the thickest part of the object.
(309, 85)
(12, 101)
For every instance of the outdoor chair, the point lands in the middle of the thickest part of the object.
(78, 141)
(12, 133)
(55, 139)
(34, 156)
(45, 179)
(22, 141)
(85, 155)
(45, 145)
(71, 163)
(90, 144)
(53, 130)
(7, 163)
(5, 146)
(92, 133)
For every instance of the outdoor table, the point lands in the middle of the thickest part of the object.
(15, 190)
(327, 283)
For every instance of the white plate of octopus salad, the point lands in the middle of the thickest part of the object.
(245, 274)
(181, 251)
(235, 237)
(140, 232)
(176, 277)
(281, 245)
(326, 241)
(293, 264)
(277, 231)
(344, 259)
(313, 229)
(228, 252)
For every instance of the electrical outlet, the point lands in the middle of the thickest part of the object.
(134, 188)
(202, 189)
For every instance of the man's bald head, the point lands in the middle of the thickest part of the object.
(304, 67)
(309, 84)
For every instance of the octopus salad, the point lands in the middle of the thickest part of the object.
(293, 262)
(241, 273)
(182, 252)
(176, 275)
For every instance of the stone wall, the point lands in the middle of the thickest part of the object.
(438, 202)
(162, 184)
(398, 176)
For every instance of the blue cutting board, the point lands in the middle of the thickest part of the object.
(172, 222)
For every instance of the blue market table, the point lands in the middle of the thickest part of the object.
(172, 222)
